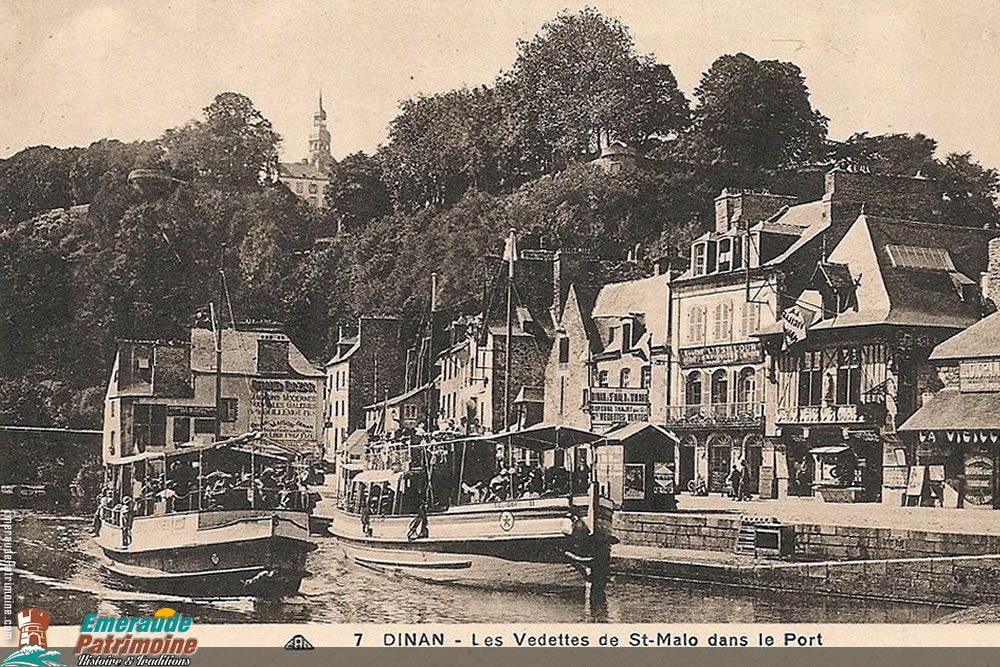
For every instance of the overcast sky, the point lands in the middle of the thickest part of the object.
(73, 72)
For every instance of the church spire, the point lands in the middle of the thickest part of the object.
(321, 99)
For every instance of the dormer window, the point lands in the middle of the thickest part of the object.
(725, 254)
(626, 336)
(698, 261)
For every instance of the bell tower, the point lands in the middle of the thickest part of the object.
(319, 140)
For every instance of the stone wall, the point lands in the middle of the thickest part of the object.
(812, 542)
(953, 580)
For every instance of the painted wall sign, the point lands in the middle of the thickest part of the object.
(722, 355)
(616, 405)
(975, 376)
(663, 478)
(289, 407)
(978, 479)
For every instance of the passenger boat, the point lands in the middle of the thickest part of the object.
(447, 510)
(230, 518)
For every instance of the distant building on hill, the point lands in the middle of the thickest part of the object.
(308, 178)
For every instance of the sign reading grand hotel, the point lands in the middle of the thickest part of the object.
(722, 355)
(979, 376)
(289, 408)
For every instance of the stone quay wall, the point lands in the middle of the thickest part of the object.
(705, 532)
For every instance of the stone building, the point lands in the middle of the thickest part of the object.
(847, 362)
(309, 177)
(366, 367)
(951, 444)
(743, 275)
(161, 394)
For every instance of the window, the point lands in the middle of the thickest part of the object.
(723, 329)
(848, 376)
(626, 336)
(646, 377)
(112, 408)
(182, 429)
(230, 409)
(143, 368)
(562, 395)
(692, 388)
(149, 424)
(699, 259)
(313, 188)
(564, 350)
(298, 188)
(697, 316)
(624, 376)
(746, 387)
(749, 319)
(811, 379)
(112, 443)
(720, 387)
(602, 379)
(204, 426)
(725, 254)
(916, 257)
(737, 253)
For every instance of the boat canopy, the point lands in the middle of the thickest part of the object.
(250, 443)
(541, 437)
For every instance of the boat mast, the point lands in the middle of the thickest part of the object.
(218, 347)
(510, 254)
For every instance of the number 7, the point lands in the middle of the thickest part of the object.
(357, 638)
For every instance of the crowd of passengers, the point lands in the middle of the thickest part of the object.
(434, 491)
(180, 491)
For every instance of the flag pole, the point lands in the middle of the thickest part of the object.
(510, 253)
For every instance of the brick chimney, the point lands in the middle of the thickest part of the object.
(991, 279)
(739, 209)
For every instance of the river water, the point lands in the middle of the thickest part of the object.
(57, 569)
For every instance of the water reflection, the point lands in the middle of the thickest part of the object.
(58, 569)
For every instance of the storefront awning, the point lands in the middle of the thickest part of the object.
(952, 410)
(829, 449)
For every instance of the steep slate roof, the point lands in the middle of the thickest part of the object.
(301, 170)
(910, 296)
(982, 339)
(952, 409)
(646, 295)
(239, 353)
(809, 218)
(586, 296)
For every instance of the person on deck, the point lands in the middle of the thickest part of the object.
(127, 514)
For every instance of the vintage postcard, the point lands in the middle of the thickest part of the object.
(330, 323)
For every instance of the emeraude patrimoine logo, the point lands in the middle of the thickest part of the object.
(32, 647)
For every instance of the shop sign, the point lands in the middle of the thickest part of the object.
(191, 411)
(974, 376)
(619, 396)
(978, 479)
(964, 437)
(722, 355)
(613, 413)
(663, 478)
(288, 409)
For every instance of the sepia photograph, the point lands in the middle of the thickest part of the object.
(331, 312)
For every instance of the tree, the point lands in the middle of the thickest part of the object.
(970, 191)
(33, 180)
(356, 193)
(755, 115)
(900, 154)
(234, 146)
(581, 82)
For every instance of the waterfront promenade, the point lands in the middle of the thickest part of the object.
(813, 510)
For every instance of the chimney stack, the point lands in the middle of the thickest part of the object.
(991, 279)
(735, 208)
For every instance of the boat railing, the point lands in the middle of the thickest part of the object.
(234, 499)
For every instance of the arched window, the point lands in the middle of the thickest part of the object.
(692, 388)
(720, 387)
(746, 387)
(624, 376)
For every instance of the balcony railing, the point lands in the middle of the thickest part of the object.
(716, 414)
(819, 414)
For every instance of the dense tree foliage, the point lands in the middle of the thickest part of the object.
(459, 168)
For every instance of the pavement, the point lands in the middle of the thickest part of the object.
(868, 515)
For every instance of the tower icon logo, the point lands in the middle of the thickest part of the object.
(32, 623)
